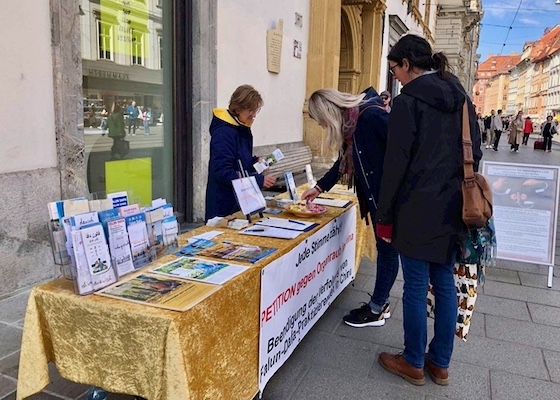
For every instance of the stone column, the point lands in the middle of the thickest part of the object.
(68, 105)
(323, 62)
(372, 33)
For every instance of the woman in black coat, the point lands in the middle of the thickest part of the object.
(356, 127)
(421, 200)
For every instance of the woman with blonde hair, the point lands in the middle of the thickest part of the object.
(356, 127)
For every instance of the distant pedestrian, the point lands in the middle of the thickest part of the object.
(420, 202)
(516, 132)
(548, 130)
(527, 130)
(146, 116)
(132, 114)
(480, 121)
(386, 97)
(489, 131)
(498, 127)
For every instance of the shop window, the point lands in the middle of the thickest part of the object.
(137, 48)
(105, 34)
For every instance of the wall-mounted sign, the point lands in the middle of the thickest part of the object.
(297, 49)
(274, 47)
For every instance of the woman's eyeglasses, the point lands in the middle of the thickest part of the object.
(391, 69)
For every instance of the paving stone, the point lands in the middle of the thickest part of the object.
(492, 305)
(499, 355)
(350, 298)
(7, 386)
(9, 365)
(284, 383)
(477, 324)
(11, 340)
(523, 293)
(320, 348)
(390, 334)
(12, 309)
(330, 319)
(64, 387)
(536, 280)
(544, 314)
(541, 336)
(502, 275)
(552, 359)
(360, 282)
(523, 267)
(513, 387)
(367, 267)
(322, 383)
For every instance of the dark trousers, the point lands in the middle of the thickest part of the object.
(131, 124)
(547, 142)
(525, 138)
(497, 138)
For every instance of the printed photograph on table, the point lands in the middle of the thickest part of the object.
(200, 270)
(195, 247)
(525, 202)
(238, 252)
(159, 291)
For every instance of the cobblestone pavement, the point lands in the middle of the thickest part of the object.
(513, 350)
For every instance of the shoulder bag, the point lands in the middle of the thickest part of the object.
(477, 196)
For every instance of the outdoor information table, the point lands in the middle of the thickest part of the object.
(210, 351)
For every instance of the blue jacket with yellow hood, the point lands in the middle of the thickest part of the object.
(230, 141)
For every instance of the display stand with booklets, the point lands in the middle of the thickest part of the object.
(249, 196)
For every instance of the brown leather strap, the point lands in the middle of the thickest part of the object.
(468, 160)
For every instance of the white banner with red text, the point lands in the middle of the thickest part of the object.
(297, 289)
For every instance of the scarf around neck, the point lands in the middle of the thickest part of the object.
(346, 169)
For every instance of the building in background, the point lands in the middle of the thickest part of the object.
(457, 35)
(490, 90)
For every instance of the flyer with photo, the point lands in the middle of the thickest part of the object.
(238, 252)
(200, 270)
(160, 291)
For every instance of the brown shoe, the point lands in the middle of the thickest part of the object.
(439, 375)
(396, 364)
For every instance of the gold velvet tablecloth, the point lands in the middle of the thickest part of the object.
(207, 352)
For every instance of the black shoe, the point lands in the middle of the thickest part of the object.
(363, 316)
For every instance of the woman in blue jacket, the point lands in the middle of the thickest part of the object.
(232, 143)
(356, 127)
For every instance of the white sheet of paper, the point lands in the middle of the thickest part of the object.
(207, 236)
(268, 231)
(293, 224)
(331, 202)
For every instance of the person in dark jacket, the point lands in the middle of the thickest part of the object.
(548, 130)
(420, 203)
(115, 127)
(357, 128)
(231, 144)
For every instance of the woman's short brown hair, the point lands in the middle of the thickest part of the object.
(245, 97)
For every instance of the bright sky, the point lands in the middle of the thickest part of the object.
(527, 24)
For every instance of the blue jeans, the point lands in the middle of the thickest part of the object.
(387, 269)
(417, 274)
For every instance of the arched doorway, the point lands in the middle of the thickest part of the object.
(350, 31)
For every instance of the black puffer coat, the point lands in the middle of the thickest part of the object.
(421, 186)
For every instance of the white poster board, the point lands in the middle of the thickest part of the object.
(249, 195)
(297, 289)
(525, 210)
